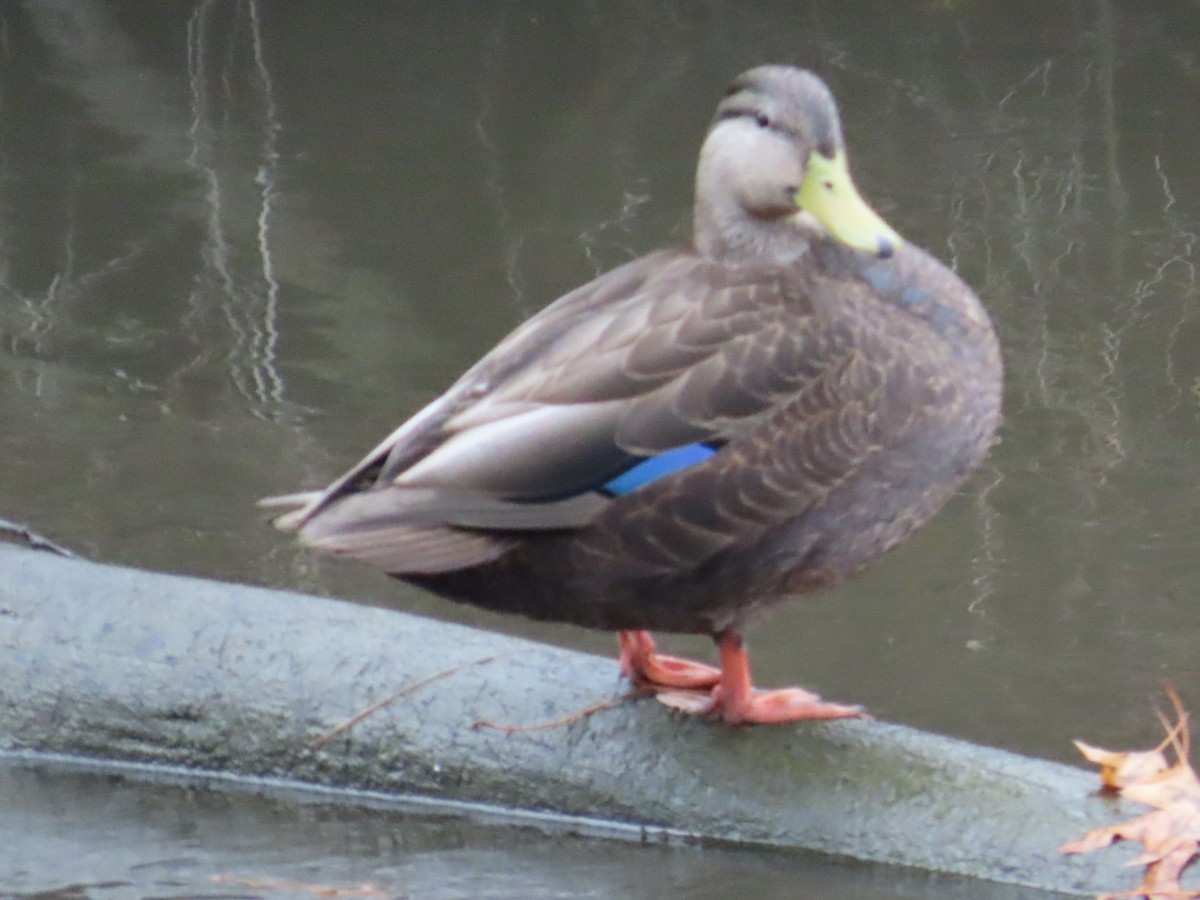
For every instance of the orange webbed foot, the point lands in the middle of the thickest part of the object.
(642, 664)
(735, 701)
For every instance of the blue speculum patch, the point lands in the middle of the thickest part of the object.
(656, 467)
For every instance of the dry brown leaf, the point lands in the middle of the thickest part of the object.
(1170, 834)
(1120, 769)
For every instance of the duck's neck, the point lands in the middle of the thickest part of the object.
(730, 236)
(739, 215)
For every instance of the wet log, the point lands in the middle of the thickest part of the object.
(111, 663)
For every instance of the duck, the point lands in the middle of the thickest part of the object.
(702, 435)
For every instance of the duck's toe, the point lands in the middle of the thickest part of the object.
(779, 706)
(642, 664)
(694, 703)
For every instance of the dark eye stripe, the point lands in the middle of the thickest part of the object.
(747, 112)
(733, 112)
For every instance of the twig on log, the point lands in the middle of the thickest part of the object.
(31, 539)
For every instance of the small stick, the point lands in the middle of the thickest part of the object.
(1179, 734)
(562, 721)
(285, 884)
(34, 540)
(323, 739)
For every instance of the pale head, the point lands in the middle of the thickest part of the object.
(773, 173)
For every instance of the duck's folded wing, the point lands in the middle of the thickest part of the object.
(498, 372)
(552, 374)
(696, 355)
(533, 437)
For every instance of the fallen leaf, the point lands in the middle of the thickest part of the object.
(1120, 769)
(1170, 833)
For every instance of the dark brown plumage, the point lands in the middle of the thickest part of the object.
(830, 384)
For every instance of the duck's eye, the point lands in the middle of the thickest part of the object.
(763, 120)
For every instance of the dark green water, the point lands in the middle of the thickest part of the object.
(240, 241)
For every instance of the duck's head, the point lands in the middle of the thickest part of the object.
(773, 172)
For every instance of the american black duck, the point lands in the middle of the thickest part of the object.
(698, 436)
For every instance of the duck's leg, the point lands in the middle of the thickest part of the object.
(642, 664)
(736, 701)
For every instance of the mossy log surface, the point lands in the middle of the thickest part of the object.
(113, 663)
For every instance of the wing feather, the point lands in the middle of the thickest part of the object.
(664, 352)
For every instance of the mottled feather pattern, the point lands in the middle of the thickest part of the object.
(795, 456)
(802, 384)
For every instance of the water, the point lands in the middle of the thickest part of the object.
(240, 241)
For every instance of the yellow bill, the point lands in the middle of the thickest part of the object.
(829, 194)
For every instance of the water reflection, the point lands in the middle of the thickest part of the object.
(230, 88)
(239, 241)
